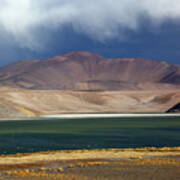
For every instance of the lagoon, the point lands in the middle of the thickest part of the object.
(48, 134)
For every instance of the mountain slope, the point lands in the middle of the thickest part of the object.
(86, 71)
(33, 103)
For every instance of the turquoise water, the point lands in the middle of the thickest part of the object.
(46, 135)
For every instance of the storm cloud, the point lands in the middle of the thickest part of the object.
(24, 21)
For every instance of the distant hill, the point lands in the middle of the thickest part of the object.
(90, 72)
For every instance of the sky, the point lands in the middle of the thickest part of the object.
(31, 29)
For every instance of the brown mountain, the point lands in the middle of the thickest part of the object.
(86, 71)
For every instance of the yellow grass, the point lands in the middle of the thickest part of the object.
(68, 165)
(138, 153)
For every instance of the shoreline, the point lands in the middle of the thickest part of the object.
(109, 115)
(119, 153)
(91, 115)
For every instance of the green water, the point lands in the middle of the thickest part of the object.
(46, 135)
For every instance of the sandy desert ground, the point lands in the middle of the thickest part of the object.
(112, 164)
(34, 103)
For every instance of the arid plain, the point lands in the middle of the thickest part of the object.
(33, 103)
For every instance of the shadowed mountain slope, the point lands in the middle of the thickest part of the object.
(174, 109)
(86, 71)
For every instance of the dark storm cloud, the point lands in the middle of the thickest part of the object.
(99, 19)
(35, 27)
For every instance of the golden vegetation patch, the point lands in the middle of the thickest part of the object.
(153, 162)
(154, 149)
(145, 149)
(70, 171)
(137, 153)
(157, 162)
(45, 174)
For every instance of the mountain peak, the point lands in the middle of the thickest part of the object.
(81, 53)
(76, 55)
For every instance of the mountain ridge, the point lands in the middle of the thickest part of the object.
(87, 71)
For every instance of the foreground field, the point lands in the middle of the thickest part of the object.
(114, 164)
